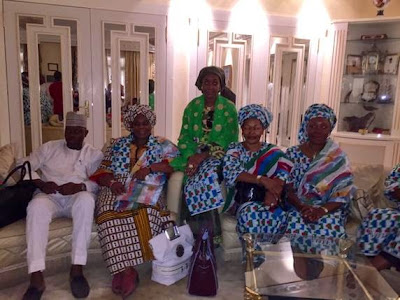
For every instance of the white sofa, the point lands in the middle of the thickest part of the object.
(368, 178)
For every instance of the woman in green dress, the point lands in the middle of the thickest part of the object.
(209, 125)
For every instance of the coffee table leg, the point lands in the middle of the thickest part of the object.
(250, 292)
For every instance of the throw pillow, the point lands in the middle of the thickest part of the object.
(6, 160)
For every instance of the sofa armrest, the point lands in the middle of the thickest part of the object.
(174, 193)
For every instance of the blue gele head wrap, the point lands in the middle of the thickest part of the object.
(255, 111)
(315, 111)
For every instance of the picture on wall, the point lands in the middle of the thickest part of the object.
(391, 64)
(353, 64)
(52, 67)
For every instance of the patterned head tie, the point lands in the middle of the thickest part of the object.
(129, 113)
(255, 111)
(210, 70)
(315, 111)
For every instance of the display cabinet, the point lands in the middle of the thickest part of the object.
(370, 76)
(364, 89)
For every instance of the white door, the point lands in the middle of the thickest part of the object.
(238, 53)
(96, 52)
(128, 50)
(40, 40)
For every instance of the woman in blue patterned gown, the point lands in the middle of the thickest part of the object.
(260, 164)
(379, 234)
(320, 184)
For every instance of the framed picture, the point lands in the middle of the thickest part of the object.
(391, 64)
(52, 67)
(370, 63)
(353, 64)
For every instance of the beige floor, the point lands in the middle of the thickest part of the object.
(230, 276)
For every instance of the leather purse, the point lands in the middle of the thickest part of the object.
(203, 279)
(246, 192)
(14, 199)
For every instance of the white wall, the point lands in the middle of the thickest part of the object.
(180, 34)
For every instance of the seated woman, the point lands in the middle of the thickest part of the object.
(320, 183)
(379, 234)
(139, 163)
(209, 125)
(263, 168)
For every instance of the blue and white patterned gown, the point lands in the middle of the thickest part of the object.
(323, 234)
(380, 229)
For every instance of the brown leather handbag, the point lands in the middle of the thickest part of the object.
(203, 279)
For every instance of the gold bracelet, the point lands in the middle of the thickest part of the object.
(324, 209)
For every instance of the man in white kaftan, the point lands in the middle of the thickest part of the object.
(64, 190)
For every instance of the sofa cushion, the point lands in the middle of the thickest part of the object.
(6, 160)
(370, 178)
(13, 241)
(230, 238)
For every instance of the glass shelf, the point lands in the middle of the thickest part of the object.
(374, 41)
(369, 75)
(368, 103)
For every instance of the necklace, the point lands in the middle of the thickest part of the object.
(209, 108)
(314, 153)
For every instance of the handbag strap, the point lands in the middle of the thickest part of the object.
(23, 172)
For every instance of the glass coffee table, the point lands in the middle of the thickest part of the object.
(292, 268)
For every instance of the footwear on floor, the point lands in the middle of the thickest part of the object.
(79, 286)
(32, 293)
(116, 285)
(130, 282)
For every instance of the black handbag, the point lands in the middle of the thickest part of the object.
(15, 199)
(246, 192)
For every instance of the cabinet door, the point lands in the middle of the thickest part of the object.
(40, 40)
(128, 50)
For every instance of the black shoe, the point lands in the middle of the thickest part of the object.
(79, 286)
(32, 293)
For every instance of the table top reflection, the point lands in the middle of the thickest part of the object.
(310, 268)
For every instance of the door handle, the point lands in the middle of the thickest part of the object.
(86, 108)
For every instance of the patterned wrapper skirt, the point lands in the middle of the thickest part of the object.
(124, 236)
(380, 231)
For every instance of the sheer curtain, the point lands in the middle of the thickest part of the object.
(132, 75)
